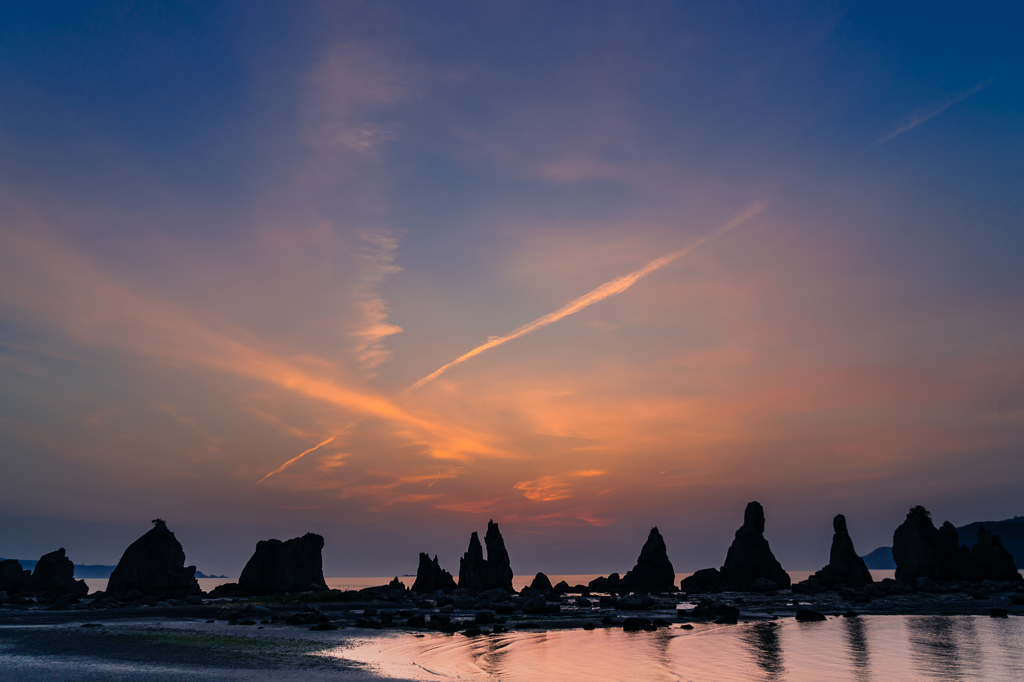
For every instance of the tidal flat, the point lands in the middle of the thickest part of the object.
(726, 636)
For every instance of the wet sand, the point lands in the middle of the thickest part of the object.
(126, 649)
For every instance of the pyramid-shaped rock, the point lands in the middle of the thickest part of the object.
(154, 565)
(750, 558)
(845, 567)
(653, 571)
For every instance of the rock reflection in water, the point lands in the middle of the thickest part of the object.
(944, 647)
(857, 643)
(854, 649)
(766, 649)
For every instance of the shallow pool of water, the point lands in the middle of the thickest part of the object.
(861, 649)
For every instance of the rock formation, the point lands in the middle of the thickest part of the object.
(701, 581)
(54, 574)
(472, 566)
(750, 557)
(13, 578)
(612, 583)
(922, 551)
(277, 567)
(845, 566)
(541, 583)
(498, 569)
(430, 576)
(992, 560)
(653, 571)
(155, 566)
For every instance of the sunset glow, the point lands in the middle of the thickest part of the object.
(284, 276)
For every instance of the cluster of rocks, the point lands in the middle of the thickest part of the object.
(152, 572)
(923, 551)
(476, 574)
(52, 580)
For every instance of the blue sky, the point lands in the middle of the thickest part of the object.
(231, 231)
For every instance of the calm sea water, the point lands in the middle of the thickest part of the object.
(857, 649)
(519, 582)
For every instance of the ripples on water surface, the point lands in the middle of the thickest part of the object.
(866, 648)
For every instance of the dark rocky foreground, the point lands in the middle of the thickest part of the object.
(459, 611)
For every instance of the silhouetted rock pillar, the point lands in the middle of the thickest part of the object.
(154, 565)
(277, 567)
(844, 564)
(430, 576)
(992, 559)
(498, 569)
(750, 558)
(653, 571)
(54, 574)
(14, 578)
(472, 566)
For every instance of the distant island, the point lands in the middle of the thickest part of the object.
(1010, 531)
(95, 571)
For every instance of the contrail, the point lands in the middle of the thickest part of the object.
(928, 114)
(616, 286)
(293, 460)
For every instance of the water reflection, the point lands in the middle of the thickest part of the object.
(944, 647)
(766, 649)
(857, 644)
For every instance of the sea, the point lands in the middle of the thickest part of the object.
(864, 648)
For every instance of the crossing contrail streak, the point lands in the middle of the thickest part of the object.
(606, 290)
(292, 461)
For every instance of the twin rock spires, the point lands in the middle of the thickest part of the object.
(477, 574)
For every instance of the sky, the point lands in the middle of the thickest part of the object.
(384, 271)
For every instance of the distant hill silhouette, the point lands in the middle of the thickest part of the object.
(94, 570)
(1010, 531)
(880, 559)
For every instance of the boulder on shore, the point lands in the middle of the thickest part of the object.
(701, 581)
(992, 560)
(653, 571)
(750, 556)
(430, 577)
(277, 567)
(14, 578)
(54, 574)
(612, 583)
(845, 566)
(541, 583)
(154, 565)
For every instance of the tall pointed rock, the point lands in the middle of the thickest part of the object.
(472, 566)
(845, 566)
(498, 568)
(750, 557)
(653, 571)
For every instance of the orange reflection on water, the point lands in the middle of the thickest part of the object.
(857, 649)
